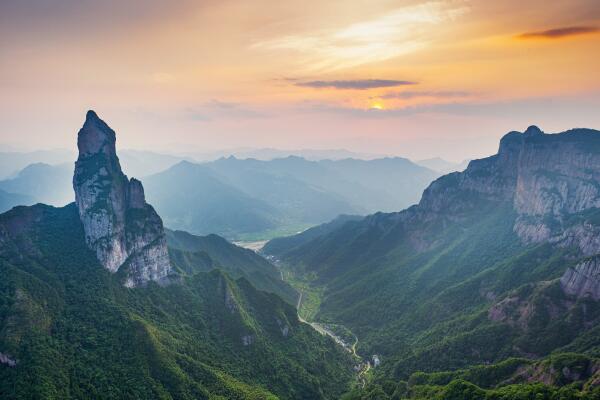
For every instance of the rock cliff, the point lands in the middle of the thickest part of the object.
(119, 225)
(552, 182)
(583, 280)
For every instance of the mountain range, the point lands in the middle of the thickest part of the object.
(487, 288)
(248, 199)
(492, 280)
(97, 300)
(255, 199)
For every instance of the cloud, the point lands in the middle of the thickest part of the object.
(401, 31)
(415, 94)
(357, 84)
(559, 33)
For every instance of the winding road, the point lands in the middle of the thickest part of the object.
(364, 366)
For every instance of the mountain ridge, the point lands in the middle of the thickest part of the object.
(430, 288)
(85, 311)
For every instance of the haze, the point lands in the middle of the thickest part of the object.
(417, 79)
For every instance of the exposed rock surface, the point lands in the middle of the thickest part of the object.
(539, 174)
(583, 280)
(7, 360)
(119, 225)
(552, 183)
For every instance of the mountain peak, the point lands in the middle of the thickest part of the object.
(95, 136)
(105, 199)
(533, 130)
(91, 115)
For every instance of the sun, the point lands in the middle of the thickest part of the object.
(376, 106)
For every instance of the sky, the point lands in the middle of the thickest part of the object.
(417, 79)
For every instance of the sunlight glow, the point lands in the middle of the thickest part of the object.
(397, 33)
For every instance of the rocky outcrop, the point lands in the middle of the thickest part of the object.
(122, 229)
(552, 182)
(583, 280)
(7, 360)
(540, 174)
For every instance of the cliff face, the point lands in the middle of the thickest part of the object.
(119, 225)
(583, 280)
(551, 181)
(540, 174)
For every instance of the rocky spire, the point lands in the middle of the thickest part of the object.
(119, 225)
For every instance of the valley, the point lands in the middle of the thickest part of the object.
(488, 286)
(461, 280)
(307, 307)
(300, 200)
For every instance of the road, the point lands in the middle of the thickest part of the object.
(364, 366)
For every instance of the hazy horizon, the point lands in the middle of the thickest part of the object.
(241, 153)
(419, 79)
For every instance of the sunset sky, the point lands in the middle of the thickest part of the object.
(410, 78)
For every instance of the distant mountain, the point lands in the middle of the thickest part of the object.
(49, 184)
(13, 162)
(191, 197)
(443, 166)
(492, 279)
(252, 198)
(385, 184)
(10, 200)
(145, 163)
(92, 305)
(293, 185)
(267, 154)
(248, 199)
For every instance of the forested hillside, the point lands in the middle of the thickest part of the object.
(496, 262)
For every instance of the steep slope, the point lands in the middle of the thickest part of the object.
(496, 261)
(279, 246)
(92, 306)
(192, 254)
(70, 329)
(119, 225)
(559, 376)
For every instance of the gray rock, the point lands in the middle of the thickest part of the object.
(7, 360)
(119, 225)
(547, 179)
(583, 280)
(247, 340)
